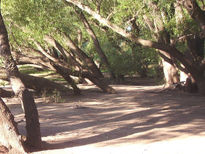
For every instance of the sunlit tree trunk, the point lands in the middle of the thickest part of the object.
(31, 113)
(170, 73)
(9, 135)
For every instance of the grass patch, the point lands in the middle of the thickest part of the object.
(48, 74)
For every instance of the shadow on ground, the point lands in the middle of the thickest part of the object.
(136, 114)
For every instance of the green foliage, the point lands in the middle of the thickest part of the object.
(32, 19)
(127, 58)
(38, 18)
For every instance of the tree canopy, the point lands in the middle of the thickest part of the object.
(124, 30)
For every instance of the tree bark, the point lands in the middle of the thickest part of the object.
(170, 73)
(40, 84)
(87, 61)
(96, 42)
(66, 55)
(201, 86)
(195, 12)
(67, 77)
(5, 93)
(9, 135)
(93, 76)
(97, 81)
(32, 122)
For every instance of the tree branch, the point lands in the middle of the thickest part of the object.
(145, 43)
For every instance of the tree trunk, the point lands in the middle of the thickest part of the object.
(97, 81)
(5, 93)
(9, 135)
(32, 122)
(40, 84)
(170, 74)
(67, 77)
(196, 13)
(169, 70)
(96, 42)
(163, 36)
(87, 61)
(201, 86)
(96, 77)
(66, 55)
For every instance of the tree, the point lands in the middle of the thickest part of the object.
(51, 42)
(87, 67)
(157, 25)
(9, 135)
(32, 122)
(96, 42)
(195, 68)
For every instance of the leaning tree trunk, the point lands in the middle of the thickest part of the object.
(96, 42)
(65, 55)
(163, 36)
(9, 135)
(32, 122)
(67, 77)
(95, 77)
(40, 84)
(97, 81)
(88, 62)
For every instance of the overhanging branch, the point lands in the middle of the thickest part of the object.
(145, 43)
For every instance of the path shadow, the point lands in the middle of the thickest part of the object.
(133, 114)
(161, 116)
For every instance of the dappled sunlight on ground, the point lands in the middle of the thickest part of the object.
(137, 119)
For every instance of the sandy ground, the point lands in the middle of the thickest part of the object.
(135, 120)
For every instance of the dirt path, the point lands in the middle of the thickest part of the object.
(136, 120)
